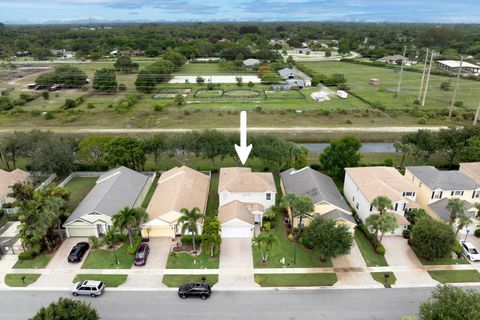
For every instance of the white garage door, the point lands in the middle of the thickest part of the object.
(237, 232)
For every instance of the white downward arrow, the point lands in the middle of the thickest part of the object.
(243, 150)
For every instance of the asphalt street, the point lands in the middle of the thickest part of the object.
(362, 304)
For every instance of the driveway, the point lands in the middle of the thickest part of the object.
(59, 260)
(399, 254)
(236, 263)
(159, 250)
(352, 260)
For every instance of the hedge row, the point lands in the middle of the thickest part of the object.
(379, 248)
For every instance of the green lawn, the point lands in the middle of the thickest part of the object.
(15, 279)
(379, 276)
(372, 259)
(184, 260)
(79, 187)
(150, 192)
(39, 262)
(286, 249)
(105, 259)
(174, 280)
(455, 276)
(442, 261)
(212, 204)
(296, 279)
(110, 280)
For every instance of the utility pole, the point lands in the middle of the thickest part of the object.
(401, 71)
(428, 79)
(477, 114)
(423, 76)
(454, 97)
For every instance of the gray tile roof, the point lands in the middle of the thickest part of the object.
(316, 185)
(114, 190)
(440, 209)
(338, 214)
(445, 180)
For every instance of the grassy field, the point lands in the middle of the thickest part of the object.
(187, 261)
(105, 259)
(175, 280)
(15, 279)
(380, 277)
(79, 187)
(296, 279)
(372, 259)
(110, 280)
(455, 276)
(358, 76)
(39, 262)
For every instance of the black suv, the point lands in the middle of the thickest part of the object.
(78, 251)
(201, 290)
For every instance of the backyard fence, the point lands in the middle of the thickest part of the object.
(47, 182)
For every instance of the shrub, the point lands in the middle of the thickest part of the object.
(47, 115)
(388, 162)
(90, 106)
(210, 86)
(25, 256)
(46, 95)
(432, 239)
(406, 234)
(348, 121)
(187, 239)
(267, 226)
(458, 103)
(122, 87)
(291, 237)
(422, 121)
(250, 84)
(457, 248)
(304, 242)
(380, 249)
(69, 104)
(477, 233)
(157, 108)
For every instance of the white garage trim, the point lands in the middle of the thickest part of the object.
(237, 228)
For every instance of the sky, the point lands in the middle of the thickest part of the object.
(58, 11)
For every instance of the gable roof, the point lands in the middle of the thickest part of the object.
(244, 180)
(316, 185)
(338, 214)
(380, 181)
(445, 180)
(8, 179)
(251, 62)
(239, 210)
(178, 188)
(440, 209)
(113, 191)
(471, 169)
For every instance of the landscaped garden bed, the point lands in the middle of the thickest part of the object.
(174, 280)
(296, 279)
(184, 260)
(380, 277)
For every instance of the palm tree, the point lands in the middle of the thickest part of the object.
(382, 203)
(264, 242)
(405, 148)
(189, 220)
(211, 234)
(299, 206)
(126, 219)
(463, 221)
(111, 237)
(455, 207)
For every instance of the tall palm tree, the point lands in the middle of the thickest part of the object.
(189, 220)
(264, 242)
(382, 204)
(126, 219)
(299, 206)
(455, 208)
(463, 221)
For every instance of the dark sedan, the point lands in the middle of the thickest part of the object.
(201, 290)
(141, 255)
(78, 251)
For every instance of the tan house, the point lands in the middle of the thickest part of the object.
(252, 191)
(178, 188)
(8, 179)
(362, 185)
(471, 169)
(328, 201)
(434, 185)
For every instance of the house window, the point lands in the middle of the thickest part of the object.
(353, 198)
(476, 194)
(357, 206)
(396, 206)
(457, 193)
(409, 194)
(269, 196)
(371, 208)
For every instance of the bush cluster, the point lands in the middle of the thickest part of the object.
(379, 248)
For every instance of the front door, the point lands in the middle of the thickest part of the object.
(102, 229)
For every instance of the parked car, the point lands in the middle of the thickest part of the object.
(90, 288)
(78, 251)
(141, 255)
(470, 251)
(201, 290)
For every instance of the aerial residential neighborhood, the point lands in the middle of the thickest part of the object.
(239, 160)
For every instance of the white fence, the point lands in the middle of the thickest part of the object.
(86, 174)
(47, 182)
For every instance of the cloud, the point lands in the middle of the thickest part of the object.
(182, 6)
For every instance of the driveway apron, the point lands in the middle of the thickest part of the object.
(236, 264)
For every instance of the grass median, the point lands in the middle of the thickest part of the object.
(105, 259)
(15, 279)
(296, 279)
(110, 280)
(372, 259)
(177, 280)
(380, 277)
(455, 276)
(38, 262)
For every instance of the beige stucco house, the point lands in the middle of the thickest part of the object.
(178, 188)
